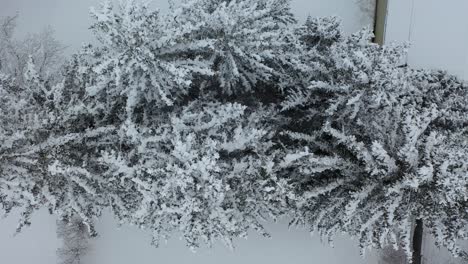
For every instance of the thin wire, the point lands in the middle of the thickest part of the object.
(410, 32)
(385, 22)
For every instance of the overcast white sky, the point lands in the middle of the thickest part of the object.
(71, 20)
(437, 30)
(127, 245)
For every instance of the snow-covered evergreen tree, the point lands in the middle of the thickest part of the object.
(142, 60)
(249, 41)
(41, 124)
(204, 172)
(218, 115)
(385, 146)
(121, 121)
(23, 120)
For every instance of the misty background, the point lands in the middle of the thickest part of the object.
(71, 20)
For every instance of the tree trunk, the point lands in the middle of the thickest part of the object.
(417, 242)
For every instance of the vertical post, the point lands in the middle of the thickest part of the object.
(380, 21)
(417, 242)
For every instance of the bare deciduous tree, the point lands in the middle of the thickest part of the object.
(390, 255)
(7, 27)
(367, 8)
(75, 240)
(43, 47)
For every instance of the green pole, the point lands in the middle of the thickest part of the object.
(380, 21)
